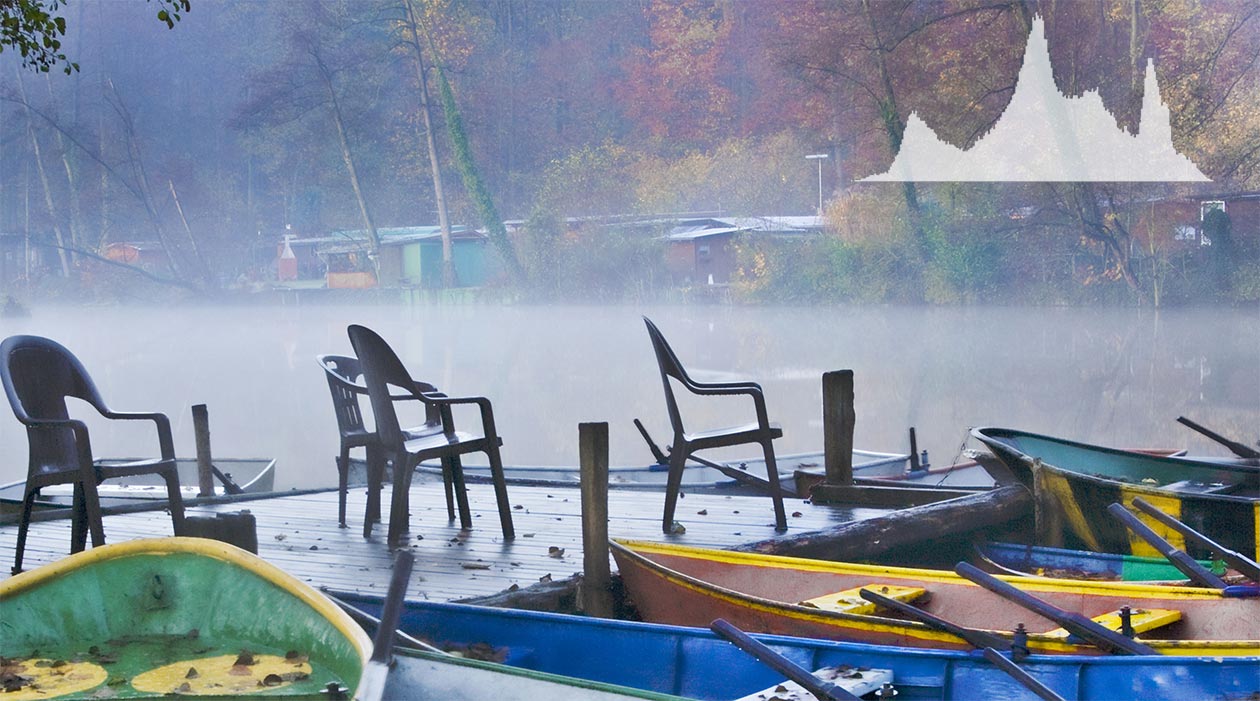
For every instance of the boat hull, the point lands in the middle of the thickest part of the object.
(153, 611)
(694, 663)
(252, 475)
(693, 586)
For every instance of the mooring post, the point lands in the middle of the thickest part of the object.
(838, 421)
(595, 594)
(201, 429)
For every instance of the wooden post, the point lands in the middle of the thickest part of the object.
(914, 452)
(594, 595)
(838, 421)
(205, 468)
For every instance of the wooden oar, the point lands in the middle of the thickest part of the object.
(984, 640)
(1242, 451)
(825, 691)
(372, 683)
(978, 639)
(1029, 681)
(1179, 559)
(1083, 627)
(1248, 567)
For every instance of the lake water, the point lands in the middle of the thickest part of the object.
(1116, 377)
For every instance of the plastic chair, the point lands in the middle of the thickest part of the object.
(382, 369)
(343, 374)
(38, 375)
(685, 444)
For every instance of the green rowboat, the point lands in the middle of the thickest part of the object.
(182, 616)
(1074, 483)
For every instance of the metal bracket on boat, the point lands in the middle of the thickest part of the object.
(334, 690)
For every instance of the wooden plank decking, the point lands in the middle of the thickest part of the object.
(299, 534)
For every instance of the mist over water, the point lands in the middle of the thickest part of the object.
(1114, 377)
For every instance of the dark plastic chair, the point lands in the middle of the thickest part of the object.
(381, 370)
(38, 375)
(343, 374)
(685, 444)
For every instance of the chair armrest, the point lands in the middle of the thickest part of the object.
(445, 403)
(83, 444)
(751, 389)
(746, 384)
(165, 443)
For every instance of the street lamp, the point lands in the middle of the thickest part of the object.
(818, 157)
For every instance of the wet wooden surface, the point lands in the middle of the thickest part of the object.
(299, 534)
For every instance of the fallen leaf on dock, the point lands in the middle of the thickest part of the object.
(554, 551)
(474, 565)
(545, 578)
(703, 512)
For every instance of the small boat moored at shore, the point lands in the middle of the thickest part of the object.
(250, 475)
(182, 616)
(694, 663)
(793, 596)
(1074, 483)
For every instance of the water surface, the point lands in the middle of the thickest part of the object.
(1114, 377)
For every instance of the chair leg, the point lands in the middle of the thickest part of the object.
(78, 520)
(500, 493)
(399, 508)
(461, 493)
(343, 481)
(677, 462)
(23, 526)
(376, 466)
(448, 473)
(174, 499)
(92, 511)
(772, 474)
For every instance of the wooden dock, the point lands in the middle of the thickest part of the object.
(299, 534)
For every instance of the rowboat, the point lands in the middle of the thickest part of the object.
(182, 616)
(1039, 560)
(694, 663)
(794, 596)
(1073, 484)
(252, 475)
(735, 477)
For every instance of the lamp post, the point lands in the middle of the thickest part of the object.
(818, 157)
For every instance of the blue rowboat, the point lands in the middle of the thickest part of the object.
(1040, 560)
(695, 663)
(1074, 483)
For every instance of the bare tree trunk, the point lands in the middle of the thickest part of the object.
(43, 178)
(448, 258)
(374, 239)
(136, 158)
(76, 235)
(206, 274)
(895, 128)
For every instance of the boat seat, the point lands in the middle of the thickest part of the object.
(855, 680)
(1197, 487)
(1142, 620)
(851, 601)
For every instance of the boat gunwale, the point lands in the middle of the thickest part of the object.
(985, 434)
(204, 547)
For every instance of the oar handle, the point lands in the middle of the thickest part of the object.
(1248, 567)
(975, 638)
(1072, 622)
(1179, 559)
(1018, 674)
(376, 671)
(825, 691)
(1235, 447)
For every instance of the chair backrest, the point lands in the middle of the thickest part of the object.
(343, 373)
(669, 366)
(38, 374)
(381, 368)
